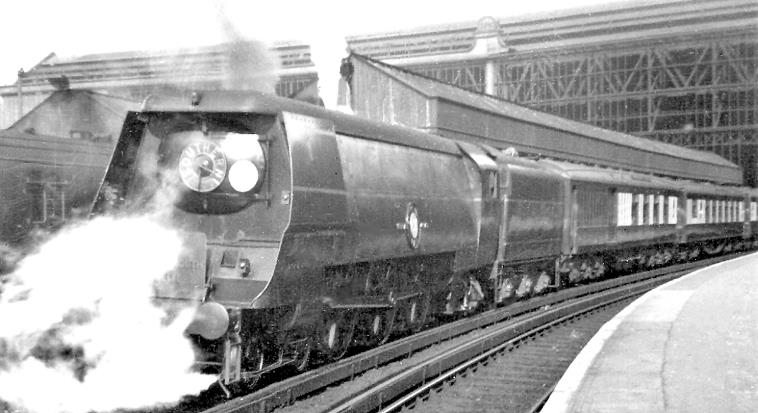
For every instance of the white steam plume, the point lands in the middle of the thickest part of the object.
(250, 64)
(78, 330)
(237, 64)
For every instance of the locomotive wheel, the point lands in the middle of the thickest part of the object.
(375, 327)
(254, 358)
(418, 312)
(383, 324)
(336, 333)
(303, 355)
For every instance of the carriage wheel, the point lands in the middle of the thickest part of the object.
(542, 282)
(574, 275)
(526, 286)
(504, 290)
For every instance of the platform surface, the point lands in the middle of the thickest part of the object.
(690, 345)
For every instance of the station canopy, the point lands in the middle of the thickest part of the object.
(386, 93)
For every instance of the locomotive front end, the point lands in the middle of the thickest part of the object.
(210, 168)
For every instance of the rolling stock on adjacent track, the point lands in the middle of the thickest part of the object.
(309, 230)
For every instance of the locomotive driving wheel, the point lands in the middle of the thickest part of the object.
(253, 357)
(417, 312)
(302, 355)
(376, 327)
(336, 333)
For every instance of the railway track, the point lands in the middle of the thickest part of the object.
(516, 376)
(535, 340)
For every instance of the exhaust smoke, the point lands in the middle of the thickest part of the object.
(78, 329)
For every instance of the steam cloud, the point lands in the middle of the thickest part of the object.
(237, 64)
(78, 330)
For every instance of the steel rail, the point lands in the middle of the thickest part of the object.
(287, 391)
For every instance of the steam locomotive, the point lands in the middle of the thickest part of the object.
(310, 230)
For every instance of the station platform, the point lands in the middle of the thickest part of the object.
(690, 345)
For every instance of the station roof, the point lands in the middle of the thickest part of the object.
(75, 115)
(457, 113)
(608, 25)
(192, 65)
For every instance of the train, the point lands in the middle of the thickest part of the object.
(53, 160)
(309, 231)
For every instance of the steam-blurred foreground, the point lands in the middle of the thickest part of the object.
(78, 330)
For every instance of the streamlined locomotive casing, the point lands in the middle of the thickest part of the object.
(364, 192)
(336, 190)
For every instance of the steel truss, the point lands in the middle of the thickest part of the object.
(701, 94)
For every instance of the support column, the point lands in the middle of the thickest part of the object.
(490, 76)
(20, 93)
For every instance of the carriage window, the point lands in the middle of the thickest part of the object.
(722, 212)
(672, 209)
(636, 209)
(701, 211)
(658, 211)
(646, 210)
(625, 212)
(741, 211)
(728, 211)
(754, 211)
(736, 213)
(666, 201)
(709, 214)
(635, 202)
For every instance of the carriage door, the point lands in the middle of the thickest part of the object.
(574, 229)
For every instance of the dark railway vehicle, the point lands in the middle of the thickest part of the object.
(309, 230)
(53, 160)
(46, 181)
